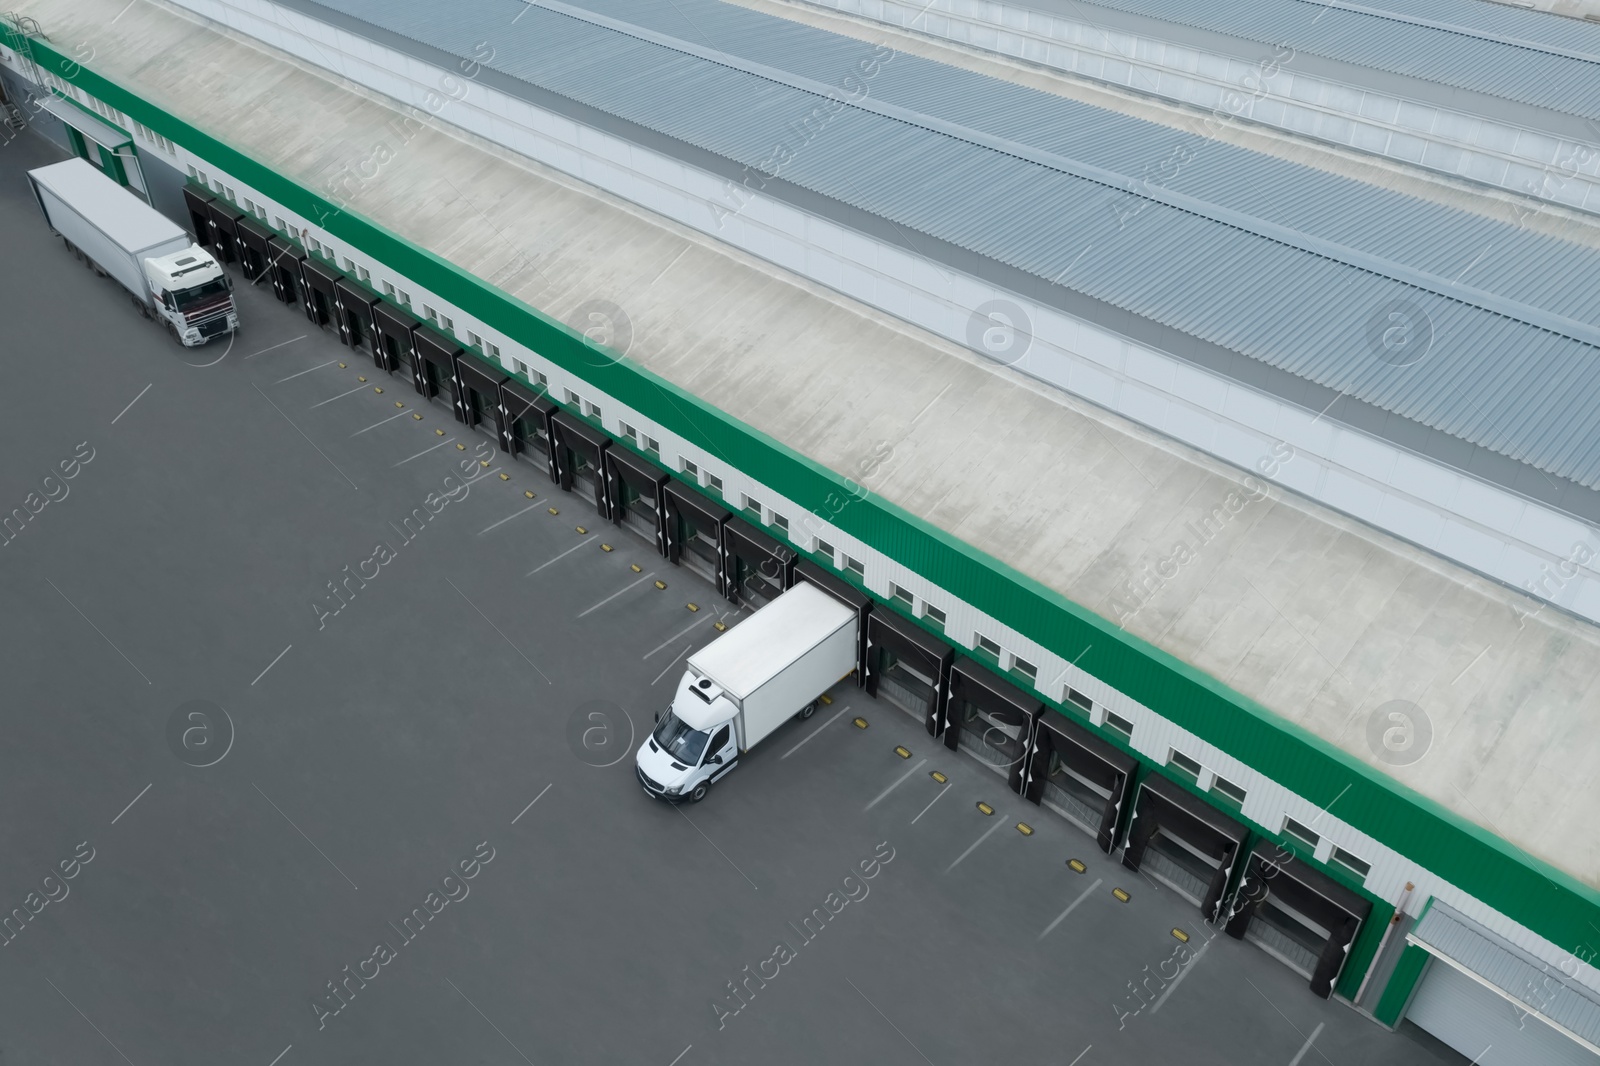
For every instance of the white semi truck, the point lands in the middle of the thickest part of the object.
(170, 278)
(745, 684)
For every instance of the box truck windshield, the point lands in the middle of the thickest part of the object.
(679, 740)
(201, 295)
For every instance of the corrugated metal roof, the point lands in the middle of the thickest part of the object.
(1527, 56)
(1543, 989)
(1288, 265)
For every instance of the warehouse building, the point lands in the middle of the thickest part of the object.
(1315, 721)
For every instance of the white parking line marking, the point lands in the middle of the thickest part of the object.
(136, 799)
(375, 425)
(319, 366)
(563, 555)
(673, 663)
(135, 400)
(506, 519)
(814, 732)
(281, 1054)
(1176, 981)
(1068, 911)
(341, 396)
(270, 665)
(275, 347)
(945, 788)
(896, 785)
(425, 451)
(617, 593)
(974, 847)
(1307, 1045)
(535, 799)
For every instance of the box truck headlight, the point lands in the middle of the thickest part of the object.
(191, 334)
(673, 791)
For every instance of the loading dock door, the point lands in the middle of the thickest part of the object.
(908, 667)
(480, 395)
(528, 425)
(635, 486)
(320, 282)
(224, 230)
(436, 368)
(1296, 914)
(396, 351)
(694, 532)
(756, 568)
(284, 269)
(580, 451)
(1496, 1004)
(1080, 777)
(809, 573)
(1182, 841)
(990, 718)
(198, 201)
(255, 249)
(354, 306)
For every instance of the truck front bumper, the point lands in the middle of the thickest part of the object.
(653, 789)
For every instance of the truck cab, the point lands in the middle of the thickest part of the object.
(192, 295)
(695, 742)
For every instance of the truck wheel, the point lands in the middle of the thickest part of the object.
(807, 711)
(699, 791)
(138, 305)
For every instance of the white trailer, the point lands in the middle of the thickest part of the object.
(169, 278)
(745, 684)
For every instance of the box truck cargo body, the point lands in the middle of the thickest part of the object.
(169, 278)
(742, 686)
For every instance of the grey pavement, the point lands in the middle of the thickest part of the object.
(460, 710)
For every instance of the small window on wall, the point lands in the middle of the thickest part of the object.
(261, 213)
(570, 396)
(855, 566)
(473, 340)
(1026, 669)
(493, 351)
(1360, 867)
(538, 378)
(1179, 761)
(903, 595)
(405, 298)
(447, 323)
(1301, 833)
(592, 410)
(1228, 791)
(1079, 700)
(388, 289)
(689, 467)
(824, 548)
(193, 173)
(363, 275)
(933, 614)
(988, 646)
(283, 227)
(652, 445)
(753, 505)
(349, 264)
(714, 483)
(780, 521)
(249, 205)
(630, 433)
(1118, 724)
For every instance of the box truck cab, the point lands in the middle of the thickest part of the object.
(742, 686)
(169, 277)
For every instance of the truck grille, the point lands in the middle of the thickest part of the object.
(647, 782)
(213, 327)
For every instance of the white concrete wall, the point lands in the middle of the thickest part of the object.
(1267, 802)
(1268, 90)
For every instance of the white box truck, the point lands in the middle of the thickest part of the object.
(742, 686)
(171, 279)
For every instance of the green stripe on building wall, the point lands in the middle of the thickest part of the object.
(1532, 893)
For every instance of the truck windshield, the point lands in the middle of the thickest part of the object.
(190, 298)
(679, 741)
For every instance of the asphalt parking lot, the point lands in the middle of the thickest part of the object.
(453, 746)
